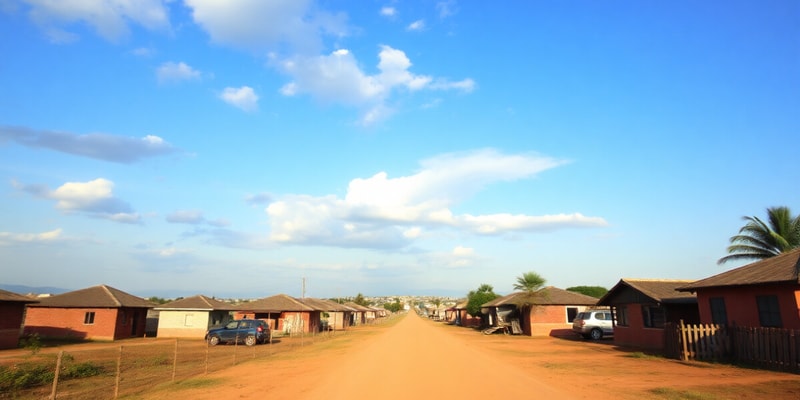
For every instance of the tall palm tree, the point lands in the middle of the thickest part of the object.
(529, 282)
(758, 240)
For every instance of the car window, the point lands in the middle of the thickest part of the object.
(245, 325)
(232, 325)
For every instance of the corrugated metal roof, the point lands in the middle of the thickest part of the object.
(782, 268)
(102, 296)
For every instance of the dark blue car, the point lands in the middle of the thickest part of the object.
(247, 331)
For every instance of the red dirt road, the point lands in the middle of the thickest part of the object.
(421, 359)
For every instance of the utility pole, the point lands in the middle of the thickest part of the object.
(303, 294)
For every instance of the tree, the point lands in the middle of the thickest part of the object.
(594, 291)
(475, 298)
(529, 282)
(360, 300)
(758, 240)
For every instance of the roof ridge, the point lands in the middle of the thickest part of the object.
(114, 298)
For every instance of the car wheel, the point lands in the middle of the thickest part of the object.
(214, 340)
(250, 340)
(596, 334)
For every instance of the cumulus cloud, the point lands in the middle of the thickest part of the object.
(176, 72)
(260, 25)
(384, 212)
(338, 78)
(244, 98)
(101, 146)
(109, 18)
(94, 198)
(10, 238)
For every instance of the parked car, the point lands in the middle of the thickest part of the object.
(593, 324)
(247, 331)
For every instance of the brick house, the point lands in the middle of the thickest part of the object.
(548, 311)
(462, 317)
(192, 317)
(642, 307)
(96, 313)
(284, 313)
(359, 313)
(765, 293)
(335, 316)
(12, 315)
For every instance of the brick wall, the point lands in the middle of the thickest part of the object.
(69, 323)
(11, 314)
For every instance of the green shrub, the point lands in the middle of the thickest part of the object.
(24, 376)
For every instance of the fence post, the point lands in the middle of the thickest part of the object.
(682, 339)
(207, 347)
(175, 360)
(119, 373)
(55, 376)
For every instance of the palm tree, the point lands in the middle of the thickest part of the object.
(529, 282)
(758, 240)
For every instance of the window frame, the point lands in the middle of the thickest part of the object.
(621, 313)
(88, 318)
(719, 312)
(653, 317)
(769, 311)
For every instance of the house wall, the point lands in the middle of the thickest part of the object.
(635, 334)
(11, 315)
(547, 320)
(339, 320)
(68, 323)
(183, 324)
(131, 322)
(289, 321)
(741, 306)
(468, 320)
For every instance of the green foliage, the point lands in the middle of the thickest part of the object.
(529, 282)
(360, 300)
(32, 374)
(674, 394)
(31, 342)
(758, 240)
(157, 300)
(394, 307)
(594, 291)
(475, 298)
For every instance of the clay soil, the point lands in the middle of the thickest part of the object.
(416, 358)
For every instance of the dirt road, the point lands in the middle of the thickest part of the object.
(421, 359)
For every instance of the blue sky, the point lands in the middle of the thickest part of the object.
(388, 147)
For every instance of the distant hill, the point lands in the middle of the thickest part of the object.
(22, 289)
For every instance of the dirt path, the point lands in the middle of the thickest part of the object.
(421, 359)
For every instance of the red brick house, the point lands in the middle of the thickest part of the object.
(285, 313)
(463, 318)
(642, 307)
(336, 316)
(12, 314)
(548, 311)
(95, 313)
(765, 293)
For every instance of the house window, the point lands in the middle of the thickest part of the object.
(572, 312)
(188, 320)
(622, 315)
(769, 315)
(88, 318)
(653, 316)
(718, 313)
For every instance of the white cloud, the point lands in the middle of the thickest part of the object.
(9, 238)
(176, 72)
(94, 198)
(388, 11)
(417, 25)
(100, 146)
(338, 78)
(446, 8)
(391, 212)
(109, 18)
(244, 98)
(260, 25)
(460, 251)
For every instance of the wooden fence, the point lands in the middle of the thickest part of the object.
(768, 348)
